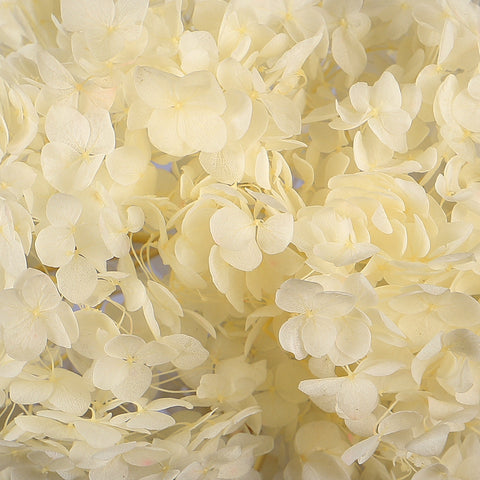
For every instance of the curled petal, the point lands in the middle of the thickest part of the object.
(290, 337)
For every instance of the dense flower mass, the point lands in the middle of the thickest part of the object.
(239, 239)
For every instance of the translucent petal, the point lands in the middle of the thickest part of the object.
(134, 293)
(135, 384)
(11, 368)
(127, 164)
(246, 259)
(430, 443)
(155, 353)
(77, 279)
(354, 338)
(396, 123)
(164, 134)
(25, 341)
(71, 393)
(318, 335)
(294, 58)
(104, 44)
(102, 135)
(463, 342)
(295, 296)
(238, 114)
(386, 94)
(284, 113)
(232, 228)
(274, 235)
(344, 254)
(191, 353)
(227, 165)
(63, 210)
(465, 109)
(381, 221)
(232, 75)
(53, 73)
(29, 391)
(361, 451)
(164, 297)
(348, 118)
(325, 465)
(348, 52)
(447, 41)
(359, 94)
(84, 15)
(56, 332)
(38, 290)
(290, 337)
(357, 398)
(227, 279)
(55, 246)
(96, 329)
(138, 115)
(12, 309)
(262, 169)
(68, 126)
(198, 51)
(56, 158)
(394, 142)
(454, 302)
(398, 421)
(97, 435)
(135, 218)
(68, 320)
(321, 387)
(151, 421)
(164, 403)
(200, 90)
(155, 88)
(431, 349)
(434, 472)
(201, 129)
(113, 232)
(108, 372)
(124, 346)
(332, 304)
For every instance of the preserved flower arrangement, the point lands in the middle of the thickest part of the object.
(239, 239)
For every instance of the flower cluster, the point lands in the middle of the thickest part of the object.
(239, 239)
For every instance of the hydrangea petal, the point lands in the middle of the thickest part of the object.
(348, 52)
(318, 335)
(109, 372)
(55, 246)
(163, 133)
(26, 340)
(232, 228)
(135, 384)
(77, 279)
(290, 337)
(295, 296)
(357, 398)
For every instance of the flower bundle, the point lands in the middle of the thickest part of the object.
(239, 239)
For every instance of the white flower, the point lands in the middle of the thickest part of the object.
(186, 111)
(125, 369)
(78, 145)
(382, 107)
(327, 323)
(348, 26)
(242, 239)
(32, 312)
(106, 25)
